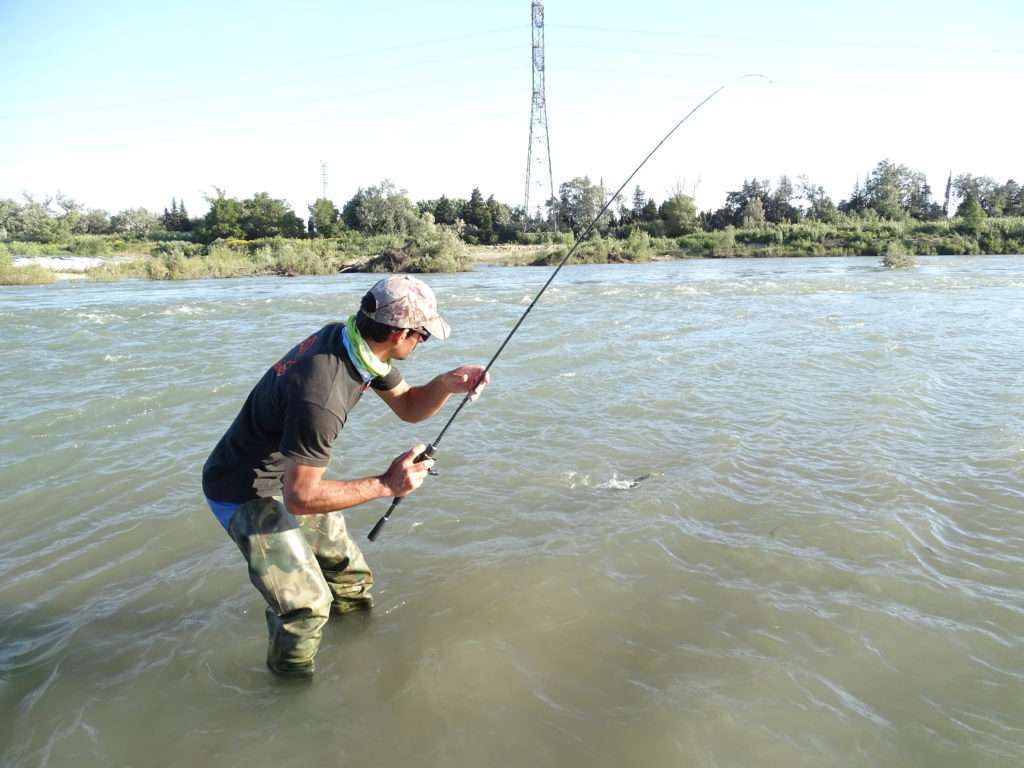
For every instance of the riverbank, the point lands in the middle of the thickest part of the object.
(439, 249)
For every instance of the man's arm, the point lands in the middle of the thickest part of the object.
(422, 402)
(306, 492)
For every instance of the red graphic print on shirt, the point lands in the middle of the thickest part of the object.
(282, 365)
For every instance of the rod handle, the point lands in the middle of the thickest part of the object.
(380, 523)
(427, 453)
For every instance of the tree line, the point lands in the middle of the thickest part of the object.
(889, 192)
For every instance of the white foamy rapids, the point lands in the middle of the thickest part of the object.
(186, 309)
(98, 318)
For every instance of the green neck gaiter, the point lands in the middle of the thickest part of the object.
(364, 357)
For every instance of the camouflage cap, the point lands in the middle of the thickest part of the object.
(402, 301)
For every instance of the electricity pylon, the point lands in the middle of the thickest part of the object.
(540, 185)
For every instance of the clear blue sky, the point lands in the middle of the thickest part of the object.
(128, 104)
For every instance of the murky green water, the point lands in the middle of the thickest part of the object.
(825, 567)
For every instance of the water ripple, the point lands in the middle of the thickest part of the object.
(822, 566)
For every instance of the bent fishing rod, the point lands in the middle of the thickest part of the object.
(431, 449)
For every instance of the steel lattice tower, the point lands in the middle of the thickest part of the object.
(323, 179)
(540, 183)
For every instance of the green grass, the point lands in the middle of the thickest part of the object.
(32, 274)
(436, 249)
(439, 249)
(638, 247)
(860, 238)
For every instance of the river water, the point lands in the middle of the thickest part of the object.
(823, 568)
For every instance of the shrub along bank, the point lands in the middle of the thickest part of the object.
(30, 275)
(851, 238)
(437, 248)
(434, 250)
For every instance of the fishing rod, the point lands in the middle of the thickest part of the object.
(431, 449)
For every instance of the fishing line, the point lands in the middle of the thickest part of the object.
(431, 449)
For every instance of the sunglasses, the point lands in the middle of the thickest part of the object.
(423, 333)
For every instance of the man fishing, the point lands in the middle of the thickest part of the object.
(300, 555)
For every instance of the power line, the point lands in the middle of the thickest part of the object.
(901, 45)
(259, 88)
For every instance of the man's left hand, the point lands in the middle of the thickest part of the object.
(467, 378)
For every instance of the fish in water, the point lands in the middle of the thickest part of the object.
(624, 484)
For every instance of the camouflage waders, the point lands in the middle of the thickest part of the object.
(306, 568)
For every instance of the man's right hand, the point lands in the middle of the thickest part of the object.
(404, 475)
